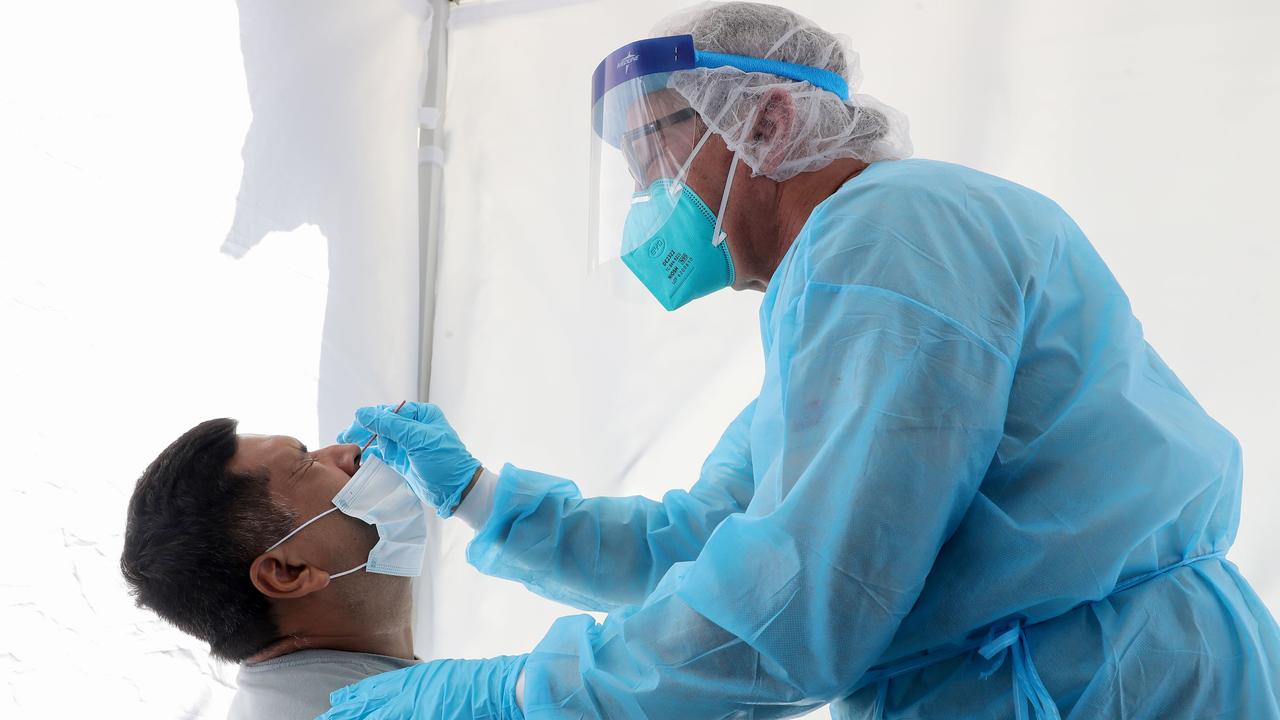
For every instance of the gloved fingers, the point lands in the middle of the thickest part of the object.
(358, 709)
(409, 409)
(392, 454)
(422, 412)
(359, 692)
(368, 694)
(373, 451)
(403, 429)
(392, 406)
(356, 434)
(359, 436)
(426, 413)
(394, 457)
(393, 711)
(385, 696)
(351, 709)
(342, 712)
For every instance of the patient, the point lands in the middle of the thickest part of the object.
(199, 521)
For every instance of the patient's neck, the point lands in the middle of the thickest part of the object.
(394, 643)
(367, 624)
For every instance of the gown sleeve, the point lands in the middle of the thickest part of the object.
(877, 421)
(606, 552)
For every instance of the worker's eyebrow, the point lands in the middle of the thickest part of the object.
(302, 448)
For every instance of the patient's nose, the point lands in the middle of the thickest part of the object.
(344, 457)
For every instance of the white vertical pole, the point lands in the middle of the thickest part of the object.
(430, 201)
(430, 187)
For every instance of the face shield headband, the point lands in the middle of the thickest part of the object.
(657, 56)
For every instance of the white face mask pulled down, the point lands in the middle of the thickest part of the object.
(379, 496)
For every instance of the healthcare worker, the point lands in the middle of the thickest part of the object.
(968, 487)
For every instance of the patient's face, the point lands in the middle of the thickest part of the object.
(306, 481)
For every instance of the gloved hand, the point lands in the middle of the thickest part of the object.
(440, 690)
(420, 445)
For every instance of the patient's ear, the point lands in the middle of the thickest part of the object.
(274, 577)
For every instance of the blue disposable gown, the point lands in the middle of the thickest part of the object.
(961, 432)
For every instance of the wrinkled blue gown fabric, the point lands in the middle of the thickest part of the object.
(961, 440)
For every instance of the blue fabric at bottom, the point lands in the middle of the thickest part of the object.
(1174, 647)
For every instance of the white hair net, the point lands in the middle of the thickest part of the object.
(825, 127)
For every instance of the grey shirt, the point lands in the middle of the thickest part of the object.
(297, 686)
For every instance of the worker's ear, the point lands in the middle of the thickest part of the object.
(275, 577)
(771, 129)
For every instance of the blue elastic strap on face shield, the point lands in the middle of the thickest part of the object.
(654, 58)
(818, 77)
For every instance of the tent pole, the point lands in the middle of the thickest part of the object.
(430, 187)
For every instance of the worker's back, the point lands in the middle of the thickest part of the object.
(1107, 471)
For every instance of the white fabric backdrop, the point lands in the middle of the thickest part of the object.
(1151, 122)
(124, 160)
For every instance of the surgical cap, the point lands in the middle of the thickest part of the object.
(825, 127)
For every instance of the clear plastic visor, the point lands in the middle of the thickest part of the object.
(644, 136)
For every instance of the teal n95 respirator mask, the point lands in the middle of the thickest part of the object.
(379, 496)
(672, 242)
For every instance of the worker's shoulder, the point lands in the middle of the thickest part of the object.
(927, 203)
(919, 171)
(949, 237)
(937, 180)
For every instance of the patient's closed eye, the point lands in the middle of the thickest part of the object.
(305, 462)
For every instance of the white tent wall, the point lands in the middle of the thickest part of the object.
(1151, 122)
(124, 160)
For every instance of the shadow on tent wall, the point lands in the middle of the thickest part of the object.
(334, 87)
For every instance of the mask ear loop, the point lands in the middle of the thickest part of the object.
(347, 572)
(684, 169)
(718, 237)
(299, 529)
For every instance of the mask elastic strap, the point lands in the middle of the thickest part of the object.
(717, 237)
(299, 529)
(684, 169)
(347, 572)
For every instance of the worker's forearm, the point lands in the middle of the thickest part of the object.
(477, 499)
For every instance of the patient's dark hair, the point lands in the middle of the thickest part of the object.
(193, 529)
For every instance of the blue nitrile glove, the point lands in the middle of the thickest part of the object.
(420, 445)
(440, 690)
